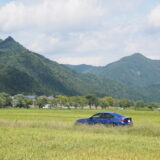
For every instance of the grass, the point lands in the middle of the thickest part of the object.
(51, 134)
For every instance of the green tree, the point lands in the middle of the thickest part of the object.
(41, 101)
(28, 102)
(6, 98)
(103, 103)
(125, 103)
(62, 101)
(52, 102)
(92, 100)
(2, 102)
(78, 101)
(140, 104)
(21, 101)
(152, 106)
(110, 100)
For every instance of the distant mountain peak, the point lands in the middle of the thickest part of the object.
(138, 55)
(135, 56)
(9, 39)
(10, 43)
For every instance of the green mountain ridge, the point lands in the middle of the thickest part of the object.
(134, 71)
(23, 71)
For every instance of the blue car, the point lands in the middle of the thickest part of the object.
(107, 118)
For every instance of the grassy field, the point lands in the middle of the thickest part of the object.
(35, 134)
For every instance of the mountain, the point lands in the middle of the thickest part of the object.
(79, 68)
(23, 71)
(13, 80)
(134, 71)
(83, 68)
(42, 76)
(151, 93)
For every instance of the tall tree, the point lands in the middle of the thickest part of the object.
(21, 101)
(41, 101)
(6, 99)
(103, 103)
(92, 100)
(140, 104)
(125, 103)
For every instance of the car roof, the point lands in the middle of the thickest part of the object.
(113, 113)
(108, 112)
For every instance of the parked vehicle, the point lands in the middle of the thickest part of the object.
(107, 118)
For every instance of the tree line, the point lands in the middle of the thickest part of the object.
(61, 101)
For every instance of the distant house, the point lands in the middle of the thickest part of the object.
(47, 106)
(30, 97)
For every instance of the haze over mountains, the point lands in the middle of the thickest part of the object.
(23, 71)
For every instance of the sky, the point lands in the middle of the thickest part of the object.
(95, 32)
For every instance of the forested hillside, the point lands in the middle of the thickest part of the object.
(134, 71)
(23, 71)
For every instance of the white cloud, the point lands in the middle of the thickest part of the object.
(59, 15)
(130, 47)
(43, 43)
(154, 17)
(83, 31)
(81, 60)
(49, 15)
(122, 5)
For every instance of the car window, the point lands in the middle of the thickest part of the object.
(117, 114)
(98, 115)
(107, 115)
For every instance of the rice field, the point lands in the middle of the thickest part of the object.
(39, 134)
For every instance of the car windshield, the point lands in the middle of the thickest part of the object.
(96, 115)
(118, 115)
